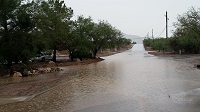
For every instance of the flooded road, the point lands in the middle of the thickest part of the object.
(133, 81)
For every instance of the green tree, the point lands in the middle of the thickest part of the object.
(83, 29)
(16, 41)
(187, 31)
(7, 24)
(100, 36)
(87, 37)
(53, 21)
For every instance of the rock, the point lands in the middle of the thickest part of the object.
(51, 62)
(48, 70)
(58, 69)
(78, 60)
(41, 70)
(52, 69)
(17, 74)
(35, 72)
(44, 70)
(55, 69)
(198, 66)
(30, 73)
(25, 72)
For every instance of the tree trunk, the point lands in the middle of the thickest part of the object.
(54, 55)
(95, 53)
(10, 67)
(71, 56)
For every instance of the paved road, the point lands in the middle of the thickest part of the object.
(132, 81)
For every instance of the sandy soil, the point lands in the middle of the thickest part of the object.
(33, 86)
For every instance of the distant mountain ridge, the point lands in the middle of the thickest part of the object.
(135, 38)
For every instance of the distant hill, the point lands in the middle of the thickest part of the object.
(134, 38)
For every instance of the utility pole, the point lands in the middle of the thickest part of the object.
(152, 35)
(166, 25)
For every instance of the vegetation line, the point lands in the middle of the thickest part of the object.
(28, 28)
(186, 37)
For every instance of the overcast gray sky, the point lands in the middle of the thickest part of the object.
(136, 17)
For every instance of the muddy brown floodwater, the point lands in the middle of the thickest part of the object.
(132, 81)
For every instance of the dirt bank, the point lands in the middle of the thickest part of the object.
(191, 58)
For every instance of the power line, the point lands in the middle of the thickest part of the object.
(166, 28)
(161, 32)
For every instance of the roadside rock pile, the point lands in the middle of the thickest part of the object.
(37, 71)
(48, 70)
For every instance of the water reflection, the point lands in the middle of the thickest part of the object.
(129, 81)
